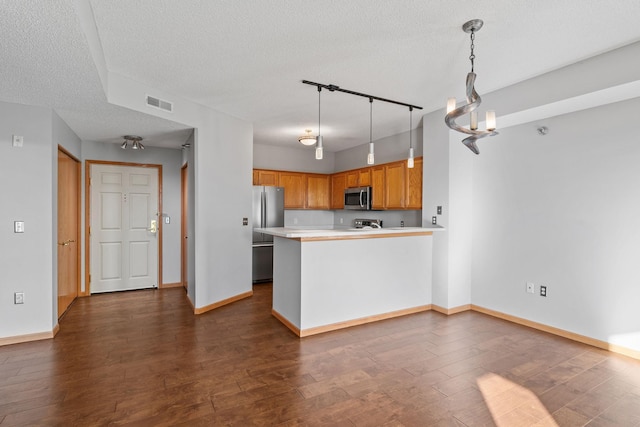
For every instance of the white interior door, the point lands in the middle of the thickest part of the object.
(124, 228)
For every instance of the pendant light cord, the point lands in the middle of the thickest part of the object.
(319, 90)
(370, 120)
(410, 127)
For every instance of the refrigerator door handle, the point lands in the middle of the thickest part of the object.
(264, 210)
(262, 245)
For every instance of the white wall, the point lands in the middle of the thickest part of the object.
(389, 149)
(291, 159)
(171, 161)
(562, 211)
(26, 188)
(555, 211)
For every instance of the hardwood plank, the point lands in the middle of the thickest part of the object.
(144, 358)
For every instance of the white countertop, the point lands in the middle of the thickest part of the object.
(344, 232)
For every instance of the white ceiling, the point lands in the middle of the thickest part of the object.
(248, 58)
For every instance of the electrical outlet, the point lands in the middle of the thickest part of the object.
(434, 220)
(543, 291)
(531, 288)
(18, 298)
(245, 221)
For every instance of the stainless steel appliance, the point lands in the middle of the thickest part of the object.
(363, 222)
(268, 211)
(358, 198)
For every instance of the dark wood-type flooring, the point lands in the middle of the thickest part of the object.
(142, 358)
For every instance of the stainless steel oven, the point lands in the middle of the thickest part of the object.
(358, 198)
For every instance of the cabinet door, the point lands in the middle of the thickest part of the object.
(378, 187)
(265, 177)
(395, 185)
(295, 186)
(414, 185)
(338, 184)
(364, 177)
(352, 179)
(318, 191)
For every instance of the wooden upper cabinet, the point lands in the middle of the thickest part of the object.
(378, 187)
(364, 177)
(414, 185)
(295, 189)
(338, 184)
(318, 191)
(352, 179)
(265, 177)
(395, 185)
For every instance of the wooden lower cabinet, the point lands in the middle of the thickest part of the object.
(318, 191)
(338, 184)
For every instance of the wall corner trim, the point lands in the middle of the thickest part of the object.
(223, 302)
(30, 337)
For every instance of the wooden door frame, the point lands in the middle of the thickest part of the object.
(87, 218)
(79, 221)
(184, 197)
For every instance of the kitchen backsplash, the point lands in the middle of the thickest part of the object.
(345, 218)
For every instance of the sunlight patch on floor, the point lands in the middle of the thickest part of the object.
(511, 404)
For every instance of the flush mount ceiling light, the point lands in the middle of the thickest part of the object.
(334, 88)
(473, 101)
(134, 141)
(308, 138)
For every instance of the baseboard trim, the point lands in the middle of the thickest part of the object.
(559, 332)
(224, 302)
(450, 311)
(30, 337)
(171, 285)
(285, 322)
(349, 323)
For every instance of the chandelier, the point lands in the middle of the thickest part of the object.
(473, 102)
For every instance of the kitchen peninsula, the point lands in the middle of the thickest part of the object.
(328, 279)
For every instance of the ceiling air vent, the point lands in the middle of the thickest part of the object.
(159, 103)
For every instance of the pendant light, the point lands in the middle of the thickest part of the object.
(319, 150)
(370, 157)
(473, 101)
(410, 159)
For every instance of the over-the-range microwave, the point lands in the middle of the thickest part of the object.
(358, 198)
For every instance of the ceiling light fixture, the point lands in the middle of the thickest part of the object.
(319, 148)
(473, 101)
(410, 159)
(307, 139)
(334, 88)
(135, 142)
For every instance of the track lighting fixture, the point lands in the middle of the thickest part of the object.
(135, 142)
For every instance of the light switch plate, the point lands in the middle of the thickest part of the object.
(18, 226)
(18, 140)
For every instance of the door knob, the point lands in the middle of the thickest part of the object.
(66, 242)
(154, 226)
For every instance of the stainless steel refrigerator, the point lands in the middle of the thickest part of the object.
(268, 211)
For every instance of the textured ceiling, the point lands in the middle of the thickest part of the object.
(247, 58)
